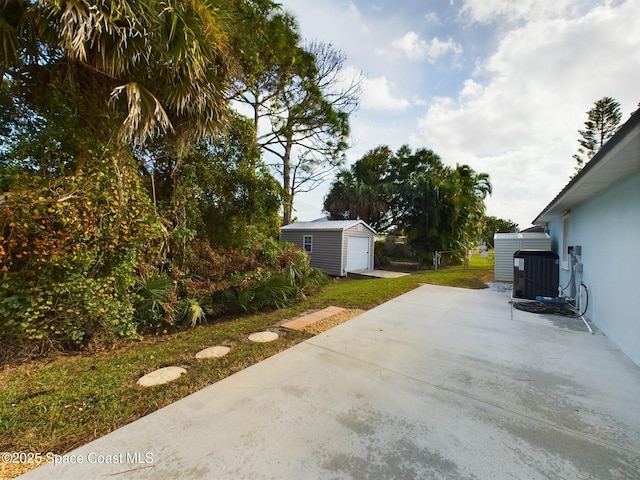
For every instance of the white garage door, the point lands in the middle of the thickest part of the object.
(357, 253)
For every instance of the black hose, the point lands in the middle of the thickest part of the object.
(547, 308)
(586, 303)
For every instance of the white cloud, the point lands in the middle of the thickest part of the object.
(377, 95)
(355, 17)
(415, 48)
(517, 119)
(433, 17)
(511, 11)
(539, 66)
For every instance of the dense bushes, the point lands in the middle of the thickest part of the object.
(83, 261)
(212, 283)
(263, 275)
(131, 198)
(85, 283)
(96, 245)
(69, 253)
(79, 259)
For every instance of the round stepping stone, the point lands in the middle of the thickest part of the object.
(213, 352)
(161, 376)
(263, 337)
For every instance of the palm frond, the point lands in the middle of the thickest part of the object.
(146, 117)
(182, 46)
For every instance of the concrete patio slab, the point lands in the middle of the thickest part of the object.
(438, 383)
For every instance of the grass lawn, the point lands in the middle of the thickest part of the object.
(63, 402)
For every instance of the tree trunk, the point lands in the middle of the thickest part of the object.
(286, 185)
(256, 118)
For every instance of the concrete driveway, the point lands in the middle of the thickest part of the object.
(439, 383)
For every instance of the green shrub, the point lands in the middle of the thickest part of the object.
(70, 248)
(380, 255)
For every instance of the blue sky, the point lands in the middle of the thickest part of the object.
(501, 85)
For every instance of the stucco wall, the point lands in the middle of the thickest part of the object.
(607, 227)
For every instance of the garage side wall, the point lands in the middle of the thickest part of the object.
(325, 254)
(354, 232)
(506, 244)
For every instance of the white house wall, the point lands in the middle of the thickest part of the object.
(607, 227)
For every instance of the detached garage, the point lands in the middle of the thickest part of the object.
(334, 246)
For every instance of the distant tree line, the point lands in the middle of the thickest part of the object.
(492, 225)
(436, 206)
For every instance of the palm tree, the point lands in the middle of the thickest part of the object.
(362, 191)
(165, 66)
(473, 189)
(446, 209)
(339, 201)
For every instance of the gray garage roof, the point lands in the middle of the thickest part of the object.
(326, 225)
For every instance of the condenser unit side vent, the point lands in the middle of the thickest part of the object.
(535, 273)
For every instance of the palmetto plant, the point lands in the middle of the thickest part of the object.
(151, 298)
(154, 303)
(191, 312)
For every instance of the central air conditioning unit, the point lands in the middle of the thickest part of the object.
(535, 273)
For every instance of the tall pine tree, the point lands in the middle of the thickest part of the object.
(602, 122)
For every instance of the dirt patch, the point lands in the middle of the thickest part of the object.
(487, 277)
(330, 322)
(13, 470)
(406, 267)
